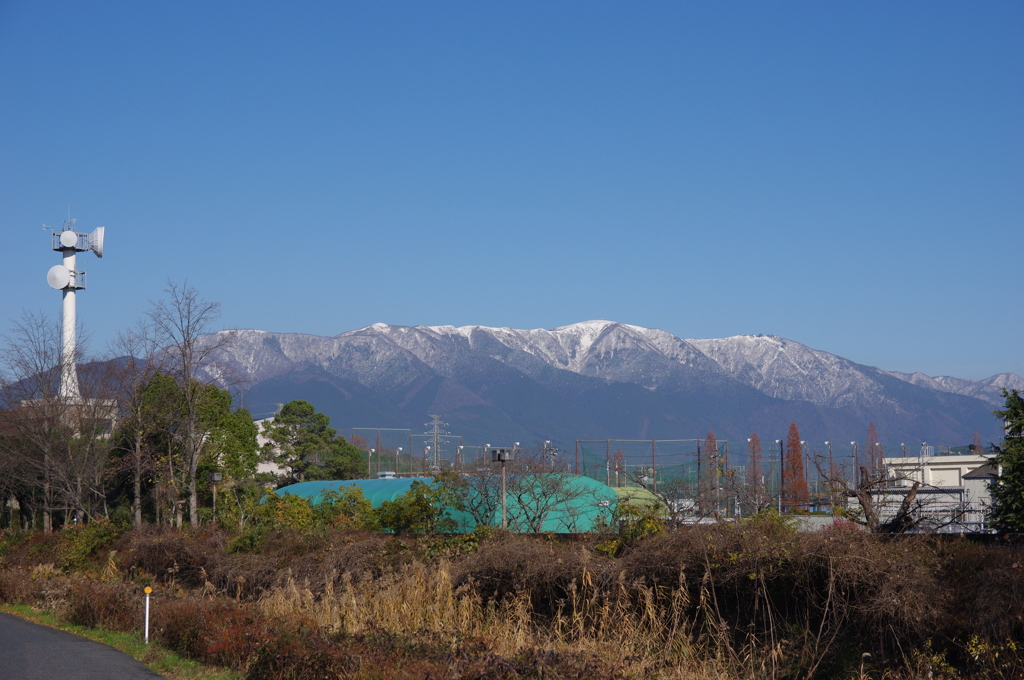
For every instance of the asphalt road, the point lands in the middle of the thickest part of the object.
(29, 651)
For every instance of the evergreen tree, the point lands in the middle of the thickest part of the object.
(1008, 489)
(303, 441)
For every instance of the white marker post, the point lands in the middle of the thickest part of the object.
(148, 591)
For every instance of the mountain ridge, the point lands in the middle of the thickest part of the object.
(587, 374)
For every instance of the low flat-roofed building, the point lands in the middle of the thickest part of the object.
(953, 496)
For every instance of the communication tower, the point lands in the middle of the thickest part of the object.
(66, 278)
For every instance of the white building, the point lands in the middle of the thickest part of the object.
(953, 495)
(261, 441)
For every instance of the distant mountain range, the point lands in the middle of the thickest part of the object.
(602, 379)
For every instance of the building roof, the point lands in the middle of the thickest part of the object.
(989, 471)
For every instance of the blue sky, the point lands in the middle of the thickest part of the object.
(846, 175)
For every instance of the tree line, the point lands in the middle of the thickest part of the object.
(156, 437)
(155, 433)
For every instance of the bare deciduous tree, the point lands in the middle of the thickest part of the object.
(750, 490)
(56, 444)
(134, 349)
(181, 325)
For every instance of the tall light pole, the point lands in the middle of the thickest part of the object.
(369, 463)
(782, 470)
(503, 456)
(398, 456)
(803, 452)
(855, 459)
(831, 477)
(752, 475)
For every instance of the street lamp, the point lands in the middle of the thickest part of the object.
(782, 470)
(807, 461)
(398, 454)
(503, 456)
(369, 462)
(831, 478)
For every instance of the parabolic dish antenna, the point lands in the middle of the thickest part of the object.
(96, 241)
(68, 239)
(58, 277)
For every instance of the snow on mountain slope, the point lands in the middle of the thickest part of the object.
(601, 349)
(788, 370)
(387, 357)
(988, 389)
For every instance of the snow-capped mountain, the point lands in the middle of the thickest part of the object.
(989, 389)
(602, 379)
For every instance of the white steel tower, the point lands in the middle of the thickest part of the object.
(66, 278)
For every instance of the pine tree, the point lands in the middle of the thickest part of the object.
(1008, 489)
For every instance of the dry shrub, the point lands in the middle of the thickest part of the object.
(211, 632)
(986, 584)
(360, 554)
(18, 587)
(34, 548)
(185, 557)
(542, 570)
(750, 599)
(113, 606)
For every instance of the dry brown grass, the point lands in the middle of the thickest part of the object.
(742, 601)
(649, 640)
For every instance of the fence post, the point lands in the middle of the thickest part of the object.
(146, 635)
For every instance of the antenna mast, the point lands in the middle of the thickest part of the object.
(66, 278)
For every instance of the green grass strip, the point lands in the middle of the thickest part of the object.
(162, 660)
